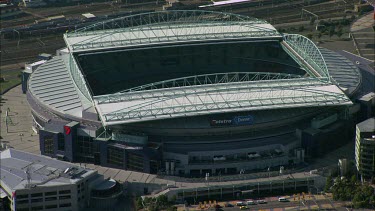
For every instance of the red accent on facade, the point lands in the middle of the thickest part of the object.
(67, 130)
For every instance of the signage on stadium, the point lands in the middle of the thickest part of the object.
(237, 120)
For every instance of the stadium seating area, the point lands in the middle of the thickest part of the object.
(114, 71)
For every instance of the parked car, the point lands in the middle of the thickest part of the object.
(251, 202)
(283, 199)
(228, 205)
(261, 201)
(240, 203)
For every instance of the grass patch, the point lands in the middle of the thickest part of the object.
(11, 78)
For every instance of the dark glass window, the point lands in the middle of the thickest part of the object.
(66, 205)
(86, 148)
(115, 156)
(61, 142)
(36, 200)
(135, 162)
(25, 201)
(50, 199)
(64, 191)
(48, 145)
(37, 208)
(53, 206)
(50, 193)
(36, 194)
(22, 196)
(64, 197)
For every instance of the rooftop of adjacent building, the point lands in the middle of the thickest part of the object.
(21, 170)
(367, 126)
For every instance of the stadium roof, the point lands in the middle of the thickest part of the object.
(263, 91)
(193, 95)
(52, 85)
(168, 27)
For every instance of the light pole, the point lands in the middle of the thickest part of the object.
(21, 134)
(18, 43)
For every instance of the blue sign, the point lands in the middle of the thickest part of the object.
(238, 120)
(243, 120)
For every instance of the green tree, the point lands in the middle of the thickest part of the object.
(312, 20)
(173, 208)
(339, 33)
(163, 201)
(329, 183)
(353, 179)
(173, 199)
(310, 36)
(139, 204)
(319, 35)
(301, 28)
(331, 31)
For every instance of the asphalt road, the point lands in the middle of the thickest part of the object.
(269, 205)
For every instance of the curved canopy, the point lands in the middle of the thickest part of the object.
(168, 27)
(264, 91)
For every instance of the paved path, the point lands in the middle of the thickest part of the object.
(367, 21)
(363, 34)
(19, 135)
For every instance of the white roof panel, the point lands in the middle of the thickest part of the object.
(170, 105)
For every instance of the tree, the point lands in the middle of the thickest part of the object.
(310, 36)
(339, 33)
(173, 208)
(173, 199)
(319, 35)
(312, 20)
(301, 28)
(331, 31)
(362, 196)
(139, 204)
(162, 201)
(353, 179)
(329, 184)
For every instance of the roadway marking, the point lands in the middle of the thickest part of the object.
(320, 207)
(331, 203)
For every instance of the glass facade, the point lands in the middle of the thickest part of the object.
(115, 156)
(48, 145)
(86, 148)
(60, 142)
(135, 162)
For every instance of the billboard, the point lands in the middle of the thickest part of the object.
(237, 120)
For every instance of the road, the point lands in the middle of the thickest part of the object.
(311, 202)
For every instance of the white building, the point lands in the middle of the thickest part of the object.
(34, 182)
(365, 148)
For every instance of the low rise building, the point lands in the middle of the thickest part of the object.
(365, 148)
(34, 182)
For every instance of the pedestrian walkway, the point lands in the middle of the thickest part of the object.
(365, 22)
(19, 134)
(363, 34)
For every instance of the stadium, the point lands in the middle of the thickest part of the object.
(190, 93)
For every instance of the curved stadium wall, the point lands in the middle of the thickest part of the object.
(161, 92)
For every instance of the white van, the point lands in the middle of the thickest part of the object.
(282, 199)
(240, 203)
(251, 203)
